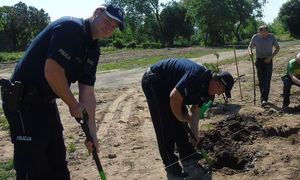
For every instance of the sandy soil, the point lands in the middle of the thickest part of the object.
(257, 143)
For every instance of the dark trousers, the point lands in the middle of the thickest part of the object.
(264, 74)
(169, 131)
(39, 150)
(287, 84)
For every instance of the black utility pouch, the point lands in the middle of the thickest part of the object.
(11, 94)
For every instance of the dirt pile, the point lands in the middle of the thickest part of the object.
(225, 142)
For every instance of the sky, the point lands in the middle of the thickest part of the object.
(80, 8)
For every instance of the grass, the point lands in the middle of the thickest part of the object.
(129, 64)
(146, 61)
(10, 56)
(72, 147)
(6, 170)
(3, 122)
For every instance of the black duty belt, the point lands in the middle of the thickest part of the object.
(32, 95)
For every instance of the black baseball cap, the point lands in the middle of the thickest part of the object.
(116, 13)
(227, 80)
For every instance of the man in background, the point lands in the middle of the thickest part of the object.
(264, 42)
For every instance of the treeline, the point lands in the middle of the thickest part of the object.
(151, 24)
(19, 24)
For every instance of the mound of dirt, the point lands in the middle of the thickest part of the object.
(224, 144)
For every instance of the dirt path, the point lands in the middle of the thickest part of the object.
(120, 78)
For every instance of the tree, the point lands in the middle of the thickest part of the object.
(2, 20)
(22, 23)
(175, 23)
(278, 28)
(210, 16)
(289, 15)
(245, 11)
(219, 21)
(17, 21)
(140, 11)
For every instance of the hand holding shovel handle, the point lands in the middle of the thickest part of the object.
(85, 128)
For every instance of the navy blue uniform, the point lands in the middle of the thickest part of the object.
(191, 80)
(36, 130)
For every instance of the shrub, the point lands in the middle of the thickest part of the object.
(146, 45)
(131, 45)
(155, 45)
(10, 56)
(118, 43)
(213, 67)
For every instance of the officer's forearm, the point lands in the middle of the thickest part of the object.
(57, 80)
(87, 98)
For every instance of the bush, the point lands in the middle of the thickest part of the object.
(131, 45)
(213, 67)
(152, 45)
(106, 42)
(146, 45)
(155, 45)
(118, 43)
(10, 56)
(195, 39)
(182, 42)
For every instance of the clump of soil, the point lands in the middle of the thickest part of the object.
(282, 131)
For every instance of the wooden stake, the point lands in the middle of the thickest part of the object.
(237, 71)
(253, 69)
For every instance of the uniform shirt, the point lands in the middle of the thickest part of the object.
(189, 78)
(69, 42)
(293, 68)
(264, 45)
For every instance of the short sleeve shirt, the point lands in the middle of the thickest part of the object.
(69, 42)
(189, 78)
(264, 46)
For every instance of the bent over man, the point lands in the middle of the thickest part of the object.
(292, 77)
(169, 85)
(65, 52)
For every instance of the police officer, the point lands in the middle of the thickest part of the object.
(65, 52)
(169, 85)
